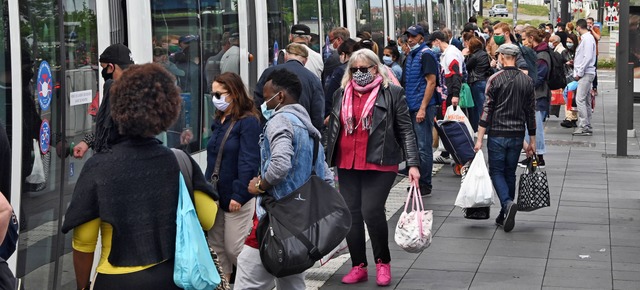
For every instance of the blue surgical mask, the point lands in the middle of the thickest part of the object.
(267, 113)
(387, 60)
(569, 44)
(400, 50)
(415, 47)
(436, 49)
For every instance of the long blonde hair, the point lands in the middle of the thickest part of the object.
(371, 58)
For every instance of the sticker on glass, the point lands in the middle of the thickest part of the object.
(45, 85)
(45, 136)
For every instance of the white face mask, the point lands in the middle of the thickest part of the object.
(415, 47)
(551, 45)
(221, 104)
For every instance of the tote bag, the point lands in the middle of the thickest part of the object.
(193, 266)
(413, 231)
(533, 188)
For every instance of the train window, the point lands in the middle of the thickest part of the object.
(439, 15)
(308, 14)
(370, 22)
(330, 20)
(280, 20)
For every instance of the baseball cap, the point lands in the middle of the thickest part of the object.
(300, 29)
(188, 38)
(509, 49)
(117, 54)
(415, 30)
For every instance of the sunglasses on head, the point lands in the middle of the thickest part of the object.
(217, 94)
(361, 69)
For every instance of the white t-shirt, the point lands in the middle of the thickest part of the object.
(314, 62)
(448, 58)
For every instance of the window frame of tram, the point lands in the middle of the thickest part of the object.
(371, 21)
(206, 33)
(59, 75)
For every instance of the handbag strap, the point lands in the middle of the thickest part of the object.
(316, 149)
(268, 203)
(216, 169)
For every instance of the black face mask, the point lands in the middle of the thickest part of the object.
(107, 75)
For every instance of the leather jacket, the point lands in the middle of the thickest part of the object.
(478, 66)
(391, 138)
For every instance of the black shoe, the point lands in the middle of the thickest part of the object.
(574, 123)
(541, 163)
(500, 220)
(425, 190)
(510, 220)
(566, 123)
(524, 162)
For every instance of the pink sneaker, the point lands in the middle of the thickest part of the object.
(356, 275)
(383, 273)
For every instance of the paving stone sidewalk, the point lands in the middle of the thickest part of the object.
(588, 238)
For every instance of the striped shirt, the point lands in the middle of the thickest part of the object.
(509, 104)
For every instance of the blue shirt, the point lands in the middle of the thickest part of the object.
(240, 158)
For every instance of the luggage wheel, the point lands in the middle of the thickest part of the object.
(457, 169)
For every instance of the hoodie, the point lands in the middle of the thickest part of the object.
(286, 151)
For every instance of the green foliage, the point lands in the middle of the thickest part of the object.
(607, 63)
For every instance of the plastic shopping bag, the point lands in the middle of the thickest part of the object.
(476, 189)
(455, 113)
(340, 250)
(37, 171)
(413, 231)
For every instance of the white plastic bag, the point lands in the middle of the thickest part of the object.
(476, 189)
(37, 171)
(413, 231)
(341, 249)
(458, 115)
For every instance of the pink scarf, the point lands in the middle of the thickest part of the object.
(347, 105)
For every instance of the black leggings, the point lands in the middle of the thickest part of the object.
(366, 192)
(157, 277)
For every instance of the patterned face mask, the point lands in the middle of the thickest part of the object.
(363, 78)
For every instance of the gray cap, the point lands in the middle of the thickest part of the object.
(509, 49)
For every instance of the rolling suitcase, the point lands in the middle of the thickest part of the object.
(457, 140)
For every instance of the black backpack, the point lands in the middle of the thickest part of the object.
(558, 72)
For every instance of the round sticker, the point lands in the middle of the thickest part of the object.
(45, 136)
(45, 85)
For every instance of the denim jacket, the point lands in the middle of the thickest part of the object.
(286, 153)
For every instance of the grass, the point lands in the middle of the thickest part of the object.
(509, 20)
(527, 9)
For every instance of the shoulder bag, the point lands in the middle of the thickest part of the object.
(186, 168)
(216, 169)
(193, 264)
(302, 227)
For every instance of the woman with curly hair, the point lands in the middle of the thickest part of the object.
(232, 165)
(130, 194)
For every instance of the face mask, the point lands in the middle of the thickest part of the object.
(387, 60)
(551, 45)
(400, 50)
(331, 48)
(436, 49)
(498, 39)
(415, 47)
(363, 79)
(546, 30)
(267, 113)
(220, 104)
(106, 75)
(569, 44)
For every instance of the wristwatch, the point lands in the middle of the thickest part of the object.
(257, 185)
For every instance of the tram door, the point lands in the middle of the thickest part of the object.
(59, 81)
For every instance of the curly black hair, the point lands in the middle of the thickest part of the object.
(145, 101)
(284, 80)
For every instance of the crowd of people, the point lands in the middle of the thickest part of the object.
(374, 109)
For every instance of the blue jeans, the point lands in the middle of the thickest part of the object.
(477, 91)
(424, 138)
(540, 117)
(503, 162)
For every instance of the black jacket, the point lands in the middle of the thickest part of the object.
(391, 132)
(478, 66)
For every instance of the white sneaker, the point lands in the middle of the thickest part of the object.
(442, 160)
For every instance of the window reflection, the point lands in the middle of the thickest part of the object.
(370, 19)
